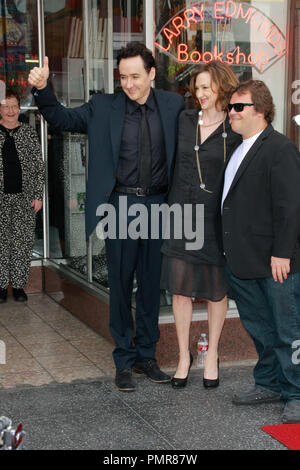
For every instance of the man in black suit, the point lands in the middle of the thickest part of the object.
(261, 216)
(132, 140)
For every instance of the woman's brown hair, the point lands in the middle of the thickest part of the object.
(222, 77)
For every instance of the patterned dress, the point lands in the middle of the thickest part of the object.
(17, 218)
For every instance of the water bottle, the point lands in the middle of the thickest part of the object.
(202, 347)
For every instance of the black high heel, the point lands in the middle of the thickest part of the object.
(212, 383)
(181, 383)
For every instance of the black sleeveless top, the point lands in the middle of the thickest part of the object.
(12, 170)
(185, 187)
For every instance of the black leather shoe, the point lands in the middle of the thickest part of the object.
(151, 369)
(124, 380)
(181, 383)
(254, 397)
(19, 295)
(291, 413)
(211, 383)
(3, 296)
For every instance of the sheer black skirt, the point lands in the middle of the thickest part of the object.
(203, 281)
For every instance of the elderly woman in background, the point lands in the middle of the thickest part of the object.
(21, 194)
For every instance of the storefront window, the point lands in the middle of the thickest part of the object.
(18, 44)
(18, 54)
(82, 40)
(64, 42)
(250, 36)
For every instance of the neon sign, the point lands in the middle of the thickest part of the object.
(177, 37)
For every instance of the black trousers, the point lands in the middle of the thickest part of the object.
(126, 257)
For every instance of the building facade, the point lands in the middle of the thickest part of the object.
(258, 39)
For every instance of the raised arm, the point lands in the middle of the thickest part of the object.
(60, 117)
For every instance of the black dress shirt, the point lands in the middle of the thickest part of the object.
(127, 172)
(12, 171)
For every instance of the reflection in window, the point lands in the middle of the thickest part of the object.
(18, 44)
(53, 6)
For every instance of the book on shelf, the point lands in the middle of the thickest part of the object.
(78, 38)
(98, 31)
(71, 36)
(103, 41)
(75, 46)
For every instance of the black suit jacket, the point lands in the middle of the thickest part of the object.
(102, 119)
(261, 212)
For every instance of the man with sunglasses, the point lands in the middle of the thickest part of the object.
(261, 218)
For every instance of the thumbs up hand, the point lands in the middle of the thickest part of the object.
(38, 76)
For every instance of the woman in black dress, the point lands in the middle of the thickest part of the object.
(205, 140)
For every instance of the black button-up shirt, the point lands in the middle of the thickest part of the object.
(127, 172)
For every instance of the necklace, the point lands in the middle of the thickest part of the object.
(196, 148)
(209, 125)
(10, 132)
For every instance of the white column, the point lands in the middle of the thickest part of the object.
(44, 131)
(149, 23)
(110, 46)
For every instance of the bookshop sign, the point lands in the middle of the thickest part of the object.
(177, 37)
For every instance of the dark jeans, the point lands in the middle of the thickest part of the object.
(126, 257)
(270, 312)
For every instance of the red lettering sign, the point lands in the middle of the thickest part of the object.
(172, 41)
(230, 58)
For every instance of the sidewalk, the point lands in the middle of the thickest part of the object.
(58, 381)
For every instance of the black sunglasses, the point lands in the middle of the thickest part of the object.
(239, 107)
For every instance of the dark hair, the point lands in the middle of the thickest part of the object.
(261, 97)
(134, 49)
(12, 93)
(221, 75)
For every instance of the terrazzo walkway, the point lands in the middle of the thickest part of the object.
(45, 343)
(58, 381)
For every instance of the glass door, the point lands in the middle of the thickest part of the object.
(64, 27)
(19, 51)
